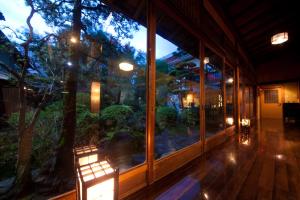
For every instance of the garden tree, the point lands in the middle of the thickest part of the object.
(23, 78)
(85, 17)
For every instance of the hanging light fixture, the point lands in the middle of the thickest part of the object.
(279, 38)
(125, 66)
(95, 97)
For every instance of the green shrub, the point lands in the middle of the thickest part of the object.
(166, 117)
(190, 116)
(116, 119)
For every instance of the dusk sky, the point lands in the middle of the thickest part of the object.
(15, 13)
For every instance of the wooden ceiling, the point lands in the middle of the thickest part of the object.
(255, 21)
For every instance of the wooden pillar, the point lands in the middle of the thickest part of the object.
(224, 92)
(237, 98)
(202, 95)
(150, 112)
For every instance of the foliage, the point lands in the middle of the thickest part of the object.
(116, 113)
(166, 117)
(190, 116)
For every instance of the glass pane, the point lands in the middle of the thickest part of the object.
(229, 82)
(111, 98)
(177, 90)
(214, 110)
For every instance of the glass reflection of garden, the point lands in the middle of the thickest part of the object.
(214, 110)
(177, 102)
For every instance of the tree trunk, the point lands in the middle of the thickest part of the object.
(64, 166)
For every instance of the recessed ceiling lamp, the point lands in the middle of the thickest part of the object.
(279, 38)
(126, 66)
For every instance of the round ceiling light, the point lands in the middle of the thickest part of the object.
(126, 66)
(279, 38)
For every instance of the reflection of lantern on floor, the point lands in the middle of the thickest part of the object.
(85, 155)
(97, 181)
(95, 97)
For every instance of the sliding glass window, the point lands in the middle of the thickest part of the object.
(177, 88)
(214, 109)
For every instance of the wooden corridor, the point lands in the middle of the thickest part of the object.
(268, 167)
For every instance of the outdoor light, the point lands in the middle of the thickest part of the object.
(279, 38)
(206, 60)
(126, 66)
(95, 97)
(69, 63)
(73, 40)
(97, 181)
(229, 121)
(230, 80)
(85, 155)
(189, 98)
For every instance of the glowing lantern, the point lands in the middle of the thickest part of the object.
(126, 66)
(97, 181)
(229, 121)
(279, 38)
(230, 80)
(245, 122)
(85, 155)
(95, 97)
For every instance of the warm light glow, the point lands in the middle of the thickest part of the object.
(279, 38)
(205, 195)
(126, 66)
(91, 154)
(246, 141)
(231, 158)
(230, 80)
(102, 190)
(189, 98)
(229, 121)
(95, 97)
(206, 60)
(279, 156)
(245, 122)
(73, 40)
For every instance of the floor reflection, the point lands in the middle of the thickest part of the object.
(263, 165)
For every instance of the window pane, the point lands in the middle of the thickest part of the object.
(214, 110)
(229, 81)
(177, 90)
(111, 98)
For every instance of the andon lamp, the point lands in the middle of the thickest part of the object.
(97, 181)
(85, 155)
(245, 122)
(229, 121)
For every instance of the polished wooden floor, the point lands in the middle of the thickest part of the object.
(265, 167)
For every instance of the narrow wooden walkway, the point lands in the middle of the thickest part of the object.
(267, 168)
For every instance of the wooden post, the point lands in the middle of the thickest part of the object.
(150, 115)
(224, 92)
(202, 96)
(237, 98)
